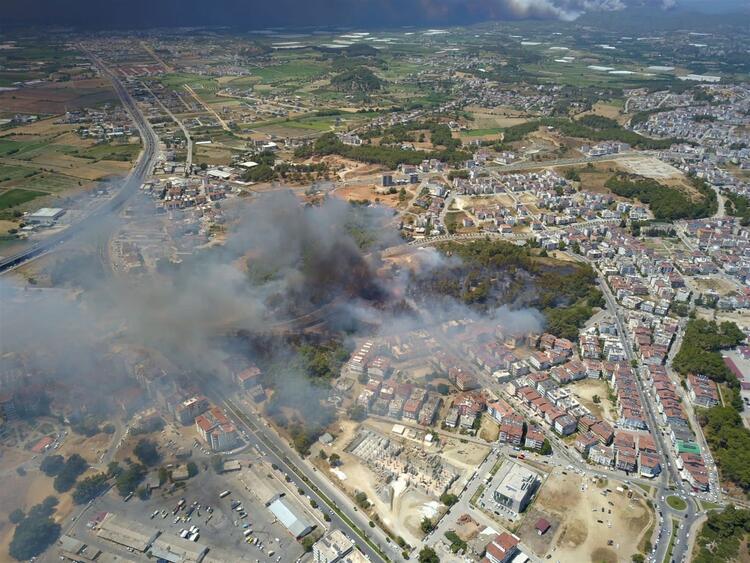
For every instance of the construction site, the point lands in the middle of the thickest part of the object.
(392, 460)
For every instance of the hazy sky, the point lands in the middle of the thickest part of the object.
(259, 14)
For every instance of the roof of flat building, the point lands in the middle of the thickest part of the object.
(50, 212)
(333, 545)
(127, 532)
(178, 550)
(516, 481)
(297, 525)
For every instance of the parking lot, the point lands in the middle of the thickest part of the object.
(248, 533)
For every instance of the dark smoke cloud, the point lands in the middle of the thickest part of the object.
(257, 14)
(281, 261)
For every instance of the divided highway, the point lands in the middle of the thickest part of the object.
(130, 185)
(344, 516)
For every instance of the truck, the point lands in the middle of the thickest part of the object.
(224, 494)
(194, 537)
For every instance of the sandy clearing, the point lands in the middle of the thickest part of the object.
(586, 389)
(584, 519)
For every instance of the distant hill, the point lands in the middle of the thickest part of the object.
(355, 50)
(360, 50)
(357, 80)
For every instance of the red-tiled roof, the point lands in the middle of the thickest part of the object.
(542, 525)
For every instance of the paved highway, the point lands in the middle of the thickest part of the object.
(181, 125)
(344, 515)
(130, 185)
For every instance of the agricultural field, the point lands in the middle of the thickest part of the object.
(45, 160)
(56, 98)
(291, 72)
(14, 197)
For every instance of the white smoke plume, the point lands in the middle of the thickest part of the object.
(532, 9)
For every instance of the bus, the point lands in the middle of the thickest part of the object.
(223, 494)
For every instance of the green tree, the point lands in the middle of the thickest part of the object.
(113, 469)
(428, 555)
(90, 488)
(16, 516)
(307, 543)
(546, 448)
(192, 469)
(729, 441)
(128, 480)
(721, 535)
(448, 499)
(146, 452)
(426, 525)
(74, 466)
(51, 465)
(35, 532)
(361, 499)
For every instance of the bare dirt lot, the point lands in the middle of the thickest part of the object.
(57, 98)
(719, 285)
(610, 110)
(368, 192)
(586, 389)
(582, 521)
(650, 167)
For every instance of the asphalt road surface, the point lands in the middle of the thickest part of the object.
(130, 185)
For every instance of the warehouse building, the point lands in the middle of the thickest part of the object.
(174, 549)
(45, 216)
(127, 533)
(297, 525)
